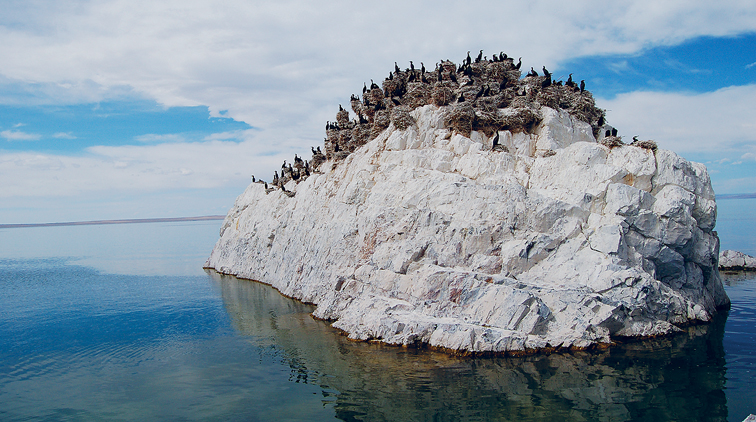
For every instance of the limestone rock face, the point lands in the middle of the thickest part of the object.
(734, 260)
(550, 240)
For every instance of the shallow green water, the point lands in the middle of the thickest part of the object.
(121, 323)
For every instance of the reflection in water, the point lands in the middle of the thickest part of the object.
(677, 378)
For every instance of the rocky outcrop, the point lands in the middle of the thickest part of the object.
(736, 261)
(549, 240)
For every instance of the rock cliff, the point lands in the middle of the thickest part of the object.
(491, 240)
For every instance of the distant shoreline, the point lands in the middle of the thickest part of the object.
(736, 196)
(124, 221)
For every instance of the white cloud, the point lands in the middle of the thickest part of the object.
(17, 135)
(154, 138)
(64, 135)
(723, 120)
(278, 64)
(139, 168)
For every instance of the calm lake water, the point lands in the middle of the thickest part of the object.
(121, 323)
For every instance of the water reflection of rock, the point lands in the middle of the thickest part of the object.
(676, 378)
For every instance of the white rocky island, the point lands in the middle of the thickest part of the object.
(511, 230)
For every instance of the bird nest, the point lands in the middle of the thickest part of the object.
(612, 141)
(651, 145)
(460, 117)
(401, 117)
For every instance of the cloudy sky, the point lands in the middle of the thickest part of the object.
(140, 109)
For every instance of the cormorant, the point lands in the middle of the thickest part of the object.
(253, 178)
(313, 148)
(364, 88)
(396, 68)
(582, 85)
(496, 140)
(519, 63)
(468, 60)
(480, 93)
(461, 98)
(422, 67)
(395, 101)
(453, 76)
(608, 133)
(635, 139)
(440, 77)
(546, 72)
(532, 72)
(600, 121)
(480, 57)
(614, 131)
(569, 81)
(412, 66)
(283, 166)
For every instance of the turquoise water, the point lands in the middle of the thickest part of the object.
(121, 323)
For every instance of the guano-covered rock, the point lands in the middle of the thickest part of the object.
(495, 239)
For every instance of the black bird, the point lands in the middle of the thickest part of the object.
(461, 98)
(468, 60)
(341, 108)
(395, 101)
(283, 166)
(364, 88)
(266, 185)
(363, 120)
(487, 92)
(569, 81)
(391, 76)
(422, 68)
(496, 140)
(608, 133)
(423, 78)
(275, 177)
(313, 148)
(519, 63)
(532, 72)
(546, 83)
(396, 68)
(480, 93)
(411, 77)
(582, 85)
(480, 57)
(319, 152)
(635, 138)
(453, 76)
(546, 72)
(253, 178)
(614, 131)
(440, 76)
(412, 66)
(600, 121)
(502, 56)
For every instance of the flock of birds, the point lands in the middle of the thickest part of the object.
(474, 90)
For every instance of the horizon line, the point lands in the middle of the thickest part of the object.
(121, 221)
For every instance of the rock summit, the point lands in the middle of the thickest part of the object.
(475, 211)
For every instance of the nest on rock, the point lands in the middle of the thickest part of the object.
(441, 95)
(401, 117)
(381, 121)
(460, 117)
(394, 87)
(520, 119)
(612, 141)
(645, 144)
(375, 95)
(361, 135)
(342, 118)
(418, 94)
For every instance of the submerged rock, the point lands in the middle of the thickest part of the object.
(425, 235)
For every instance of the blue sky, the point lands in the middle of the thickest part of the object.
(139, 109)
